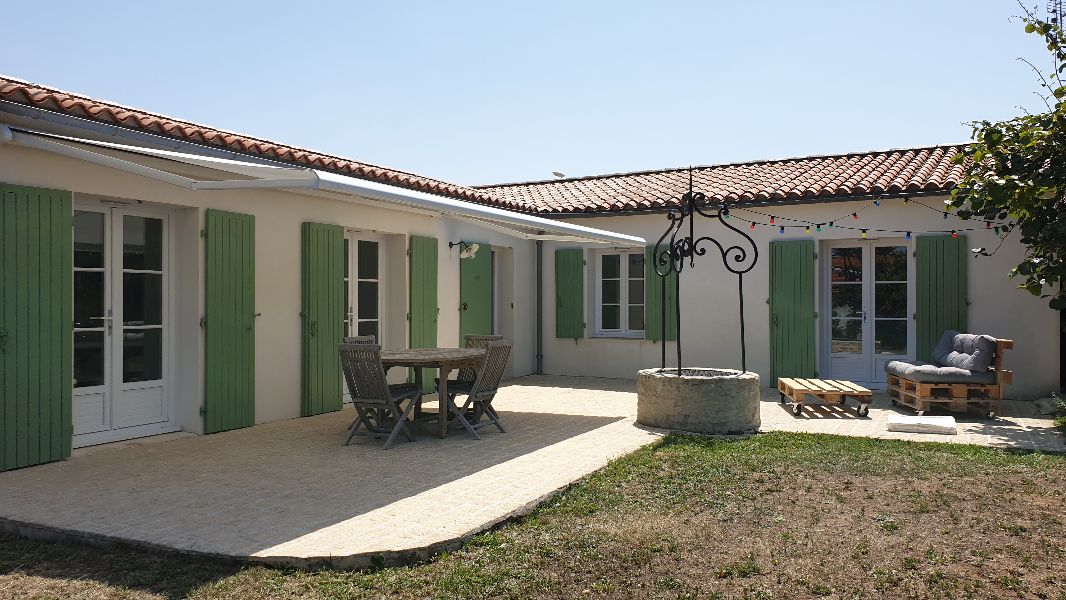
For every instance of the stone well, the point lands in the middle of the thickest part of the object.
(714, 401)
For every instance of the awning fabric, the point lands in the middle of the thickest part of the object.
(227, 174)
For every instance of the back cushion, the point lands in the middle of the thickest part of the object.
(944, 348)
(971, 352)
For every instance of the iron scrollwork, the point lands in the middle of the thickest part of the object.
(677, 246)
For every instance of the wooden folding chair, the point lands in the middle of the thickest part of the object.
(377, 404)
(480, 395)
(465, 379)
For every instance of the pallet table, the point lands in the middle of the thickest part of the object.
(833, 391)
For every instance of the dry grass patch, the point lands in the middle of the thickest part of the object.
(777, 515)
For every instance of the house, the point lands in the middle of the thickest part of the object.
(158, 275)
(860, 262)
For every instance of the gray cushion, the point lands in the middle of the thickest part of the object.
(944, 347)
(970, 352)
(930, 373)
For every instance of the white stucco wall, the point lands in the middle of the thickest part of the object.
(277, 277)
(709, 298)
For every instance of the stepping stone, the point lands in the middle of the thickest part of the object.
(924, 424)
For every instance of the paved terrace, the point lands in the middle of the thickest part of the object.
(288, 492)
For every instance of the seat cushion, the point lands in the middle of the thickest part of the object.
(929, 373)
(402, 390)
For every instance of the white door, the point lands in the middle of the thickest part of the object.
(120, 325)
(363, 271)
(869, 300)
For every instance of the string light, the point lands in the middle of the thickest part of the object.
(864, 234)
(988, 224)
(997, 229)
(908, 236)
(855, 216)
(772, 219)
(877, 203)
(752, 226)
(726, 213)
(807, 228)
(954, 234)
(818, 227)
(945, 216)
(782, 229)
(830, 224)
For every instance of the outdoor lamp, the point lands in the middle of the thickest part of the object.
(466, 249)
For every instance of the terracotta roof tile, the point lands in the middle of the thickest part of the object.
(812, 178)
(38, 96)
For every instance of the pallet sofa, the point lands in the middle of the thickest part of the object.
(967, 370)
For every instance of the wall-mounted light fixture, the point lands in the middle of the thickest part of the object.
(466, 249)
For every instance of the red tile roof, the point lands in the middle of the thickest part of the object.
(812, 178)
(38, 96)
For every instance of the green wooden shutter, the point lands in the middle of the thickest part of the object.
(36, 319)
(423, 302)
(322, 289)
(940, 289)
(792, 314)
(475, 293)
(570, 293)
(653, 301)
(229, 320)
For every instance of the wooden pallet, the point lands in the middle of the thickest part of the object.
(956, 397)
(833, 391)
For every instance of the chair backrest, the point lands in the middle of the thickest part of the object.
(491, 371)
(363, 373)
(469, 374)
(361, 339)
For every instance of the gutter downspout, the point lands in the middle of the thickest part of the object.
(540, 307)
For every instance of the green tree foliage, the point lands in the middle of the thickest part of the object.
(1016, 172)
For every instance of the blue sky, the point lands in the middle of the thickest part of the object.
(485, 92)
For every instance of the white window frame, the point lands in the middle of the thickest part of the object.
(353, 237)
(597, 288)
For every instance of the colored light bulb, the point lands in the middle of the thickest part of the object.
(855, 216)
(908, 236)
(752, 227)
(945, 215)
(988, 224)
(818, 228)
(807, 228)
(877, 203)
(772, 219)
(830, 223)
(954, 234)
(864, 234)
(782, 229)
(997, 229)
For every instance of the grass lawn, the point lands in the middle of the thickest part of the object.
(777, 515)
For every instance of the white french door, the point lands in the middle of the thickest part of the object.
(363, 287)
(869, 303)
(120, 324)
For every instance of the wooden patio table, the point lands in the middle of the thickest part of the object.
(443, 359)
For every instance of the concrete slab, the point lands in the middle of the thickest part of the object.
(944, 425)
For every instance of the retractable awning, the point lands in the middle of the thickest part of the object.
(228, 174)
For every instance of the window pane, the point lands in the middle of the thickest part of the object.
(610, 266)
(636, 266)
(142, 299)
(636, 318)
(367, 259)
(636, 291)
(847, 336)
(88, 298)
(142, 243)
(890, 263)
(611, 291)
(890, 337)
(369, 328)
(368, 299)
(142, 354)
(890, 300)
(610, 317)
(846, 300)
(847, 264)
(88, 358)
(88, 239)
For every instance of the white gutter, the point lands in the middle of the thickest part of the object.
(296, 179)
